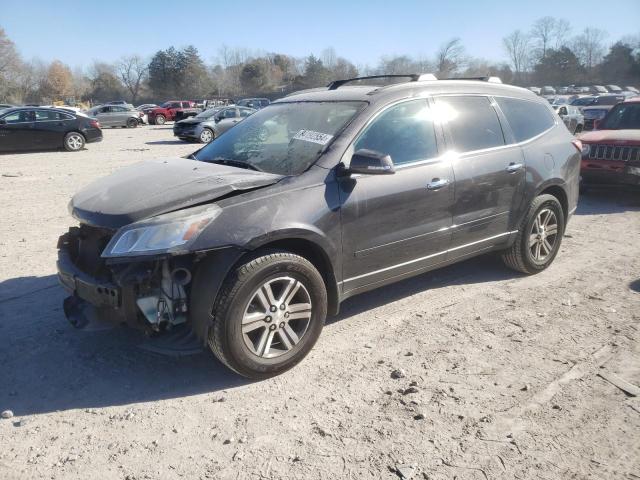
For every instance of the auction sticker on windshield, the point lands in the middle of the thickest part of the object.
(314, 137)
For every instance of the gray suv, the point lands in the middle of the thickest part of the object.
(252, 240)
(115, 116)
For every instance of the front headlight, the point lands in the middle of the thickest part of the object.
(585, 149)
(169, 233)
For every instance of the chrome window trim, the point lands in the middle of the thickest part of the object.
(415, 260)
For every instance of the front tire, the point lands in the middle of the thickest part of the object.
(268, 315)
(160, 120)
(73, 141)
(539, 237)
(207, 135)
(132, 123)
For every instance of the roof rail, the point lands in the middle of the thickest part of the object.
(413, 77)
(481, 79)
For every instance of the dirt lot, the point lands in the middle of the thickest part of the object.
(505, 367)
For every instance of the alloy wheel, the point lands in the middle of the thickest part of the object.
(74, 142)
(543, 235)
(277, 317)
(206, 136)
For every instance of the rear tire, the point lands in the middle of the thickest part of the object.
(132, 123)
(160, 120)
(73, 141)
(539, 237)
(268, 315)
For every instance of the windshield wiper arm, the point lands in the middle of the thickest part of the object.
(235, 163)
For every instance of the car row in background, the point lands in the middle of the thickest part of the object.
(208, 125)
(33, 128)
(592, 89)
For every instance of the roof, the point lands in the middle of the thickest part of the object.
(376, 93)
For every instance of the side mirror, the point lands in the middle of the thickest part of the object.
(370, 162)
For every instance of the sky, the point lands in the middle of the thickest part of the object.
(79, 32)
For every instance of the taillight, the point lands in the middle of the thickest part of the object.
(94, 123)
(578, 144)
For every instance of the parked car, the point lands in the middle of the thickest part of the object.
(320, 196)
(571, 116)
(170, 111)
(32, 128)
(598, 108)
(547, 90)
(256, 103)
(611, 154)
(117, 102)
(146, 106)
(535, 90)
(115, 116)
(629, 88)
(210, 124)
(5, 105)
(598, 90)
(613, 88)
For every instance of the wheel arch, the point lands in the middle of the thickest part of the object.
(556, 188)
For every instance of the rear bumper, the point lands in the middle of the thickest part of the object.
(92, 135)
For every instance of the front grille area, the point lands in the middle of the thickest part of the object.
(614, 152)
(85, 245)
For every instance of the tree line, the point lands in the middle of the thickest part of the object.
(546, 54)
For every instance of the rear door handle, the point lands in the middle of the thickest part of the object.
(437, 184)
(514, 167)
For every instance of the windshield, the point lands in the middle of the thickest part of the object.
(208, 113)
(283, 138)
(622, 117)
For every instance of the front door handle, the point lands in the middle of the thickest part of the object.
(514, 167)
(437, 184)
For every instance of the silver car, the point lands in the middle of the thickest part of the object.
(115, 116)
(571, 116)
(210, 124)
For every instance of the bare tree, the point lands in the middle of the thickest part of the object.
(450, 57)
(132, 71)
(589, 46)
(9, 57)
(329, 57)
(517, 45)
(542, 33)
(561, 33)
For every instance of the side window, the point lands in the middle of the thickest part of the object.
(44, 115)
(228, 113)
(527, 119)
(472, 121)
(404, 131)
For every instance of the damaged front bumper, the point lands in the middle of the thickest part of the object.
(149, 295)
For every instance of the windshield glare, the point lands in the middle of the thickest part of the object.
(283, 138)
(622, 117)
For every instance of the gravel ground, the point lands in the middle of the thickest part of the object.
(499, 372)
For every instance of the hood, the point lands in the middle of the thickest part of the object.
(159, 186)
(614, 137)
(190, 121)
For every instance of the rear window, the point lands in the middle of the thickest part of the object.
(527, 119)
(472, 121)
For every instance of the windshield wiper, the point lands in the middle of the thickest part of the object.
(235, 163)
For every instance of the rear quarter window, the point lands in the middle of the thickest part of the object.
(526, 119)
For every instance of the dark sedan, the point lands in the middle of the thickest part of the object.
(28, 128)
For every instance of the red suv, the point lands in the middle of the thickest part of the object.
(168, 111)
(611, 154)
